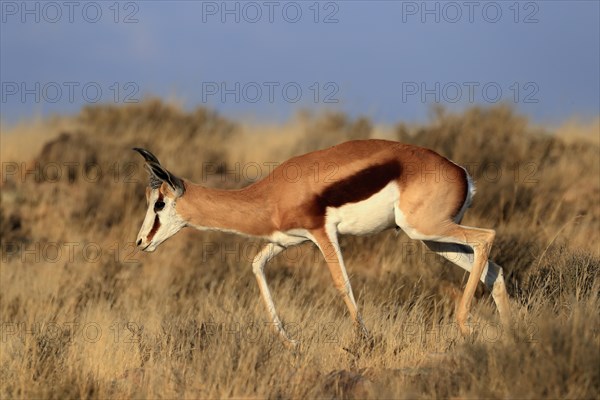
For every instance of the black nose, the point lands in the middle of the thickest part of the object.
(139, 242)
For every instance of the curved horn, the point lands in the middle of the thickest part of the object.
(149, 157)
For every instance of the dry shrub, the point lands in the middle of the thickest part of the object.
(329, 129)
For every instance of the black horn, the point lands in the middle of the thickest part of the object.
(149, 157)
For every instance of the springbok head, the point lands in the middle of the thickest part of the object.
(162, 220)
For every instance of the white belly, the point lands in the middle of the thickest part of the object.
(368, 216)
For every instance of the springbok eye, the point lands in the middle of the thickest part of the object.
(159, 205)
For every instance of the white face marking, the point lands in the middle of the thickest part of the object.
(161, 221)
(368, 216)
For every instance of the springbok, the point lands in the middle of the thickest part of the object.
(358, 187)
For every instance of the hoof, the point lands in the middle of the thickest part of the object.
(465, 327)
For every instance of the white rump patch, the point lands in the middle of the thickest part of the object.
(470, 194)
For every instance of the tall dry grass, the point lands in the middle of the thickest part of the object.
(84, 315)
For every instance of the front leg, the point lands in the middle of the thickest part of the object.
(258, 265)
(326, 240)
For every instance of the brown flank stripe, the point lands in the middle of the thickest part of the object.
(357, 187)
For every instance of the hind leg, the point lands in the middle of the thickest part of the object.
(480, 240)
(428, 225)
(492, 275)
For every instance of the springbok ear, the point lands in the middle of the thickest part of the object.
(149, 157)
(161, 174)
(154, 181)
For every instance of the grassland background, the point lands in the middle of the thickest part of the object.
(85, 315)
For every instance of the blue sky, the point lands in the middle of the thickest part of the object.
(387, 60)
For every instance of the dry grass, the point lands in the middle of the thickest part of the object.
(187, 321)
